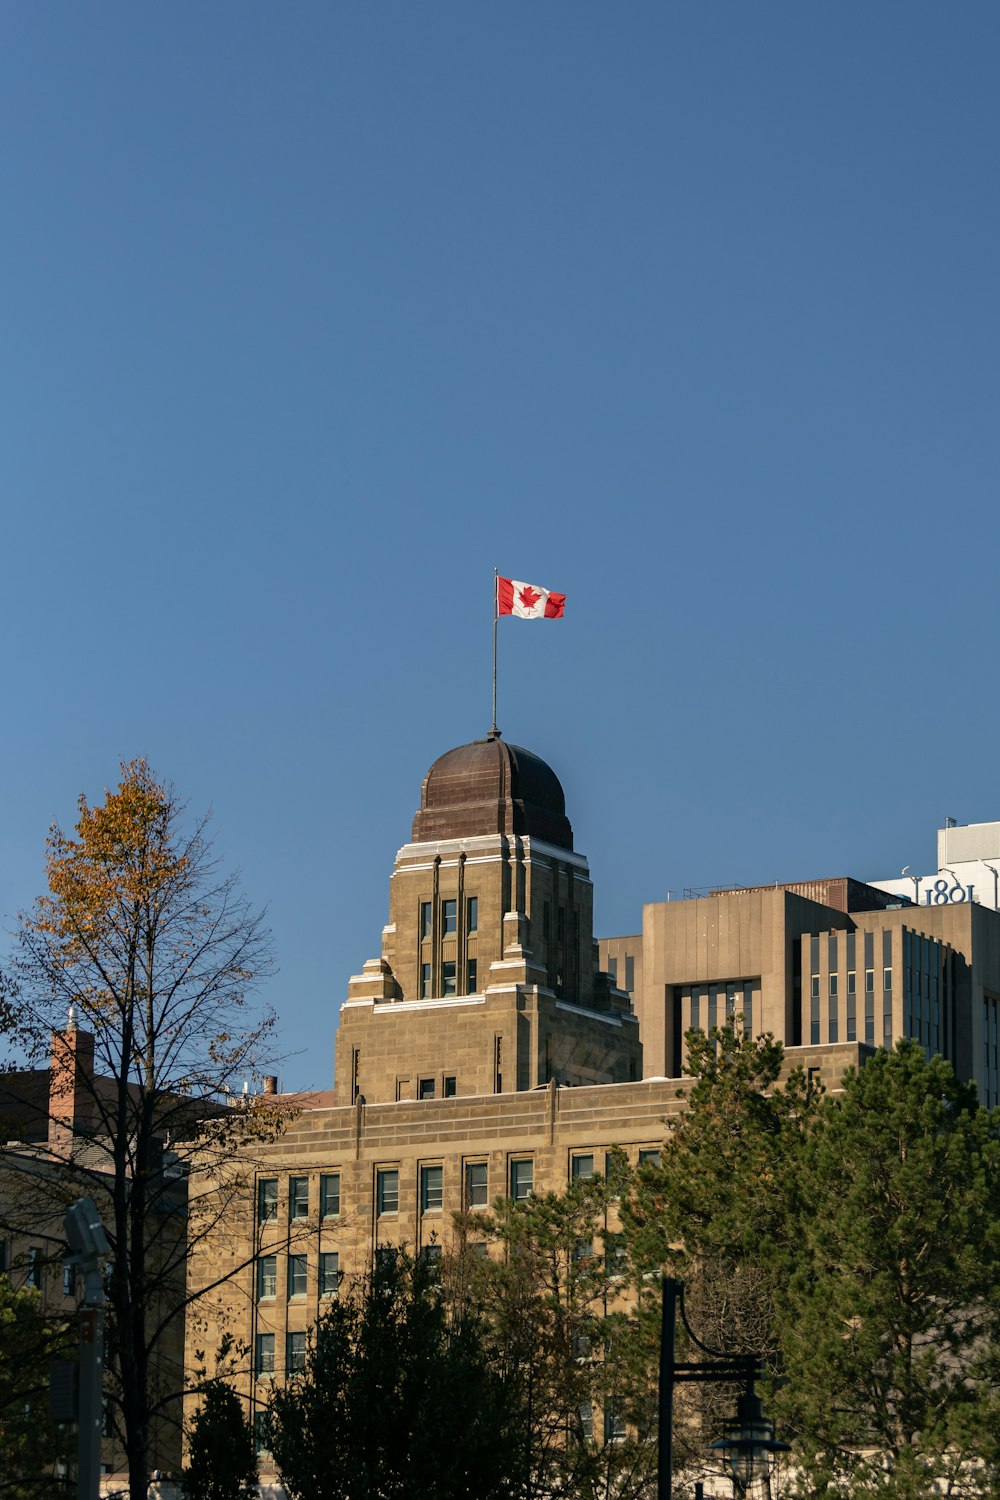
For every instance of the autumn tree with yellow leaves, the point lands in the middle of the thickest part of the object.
(158, 951)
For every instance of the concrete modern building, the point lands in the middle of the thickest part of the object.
(968, 869)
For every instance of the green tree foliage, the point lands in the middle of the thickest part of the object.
(221, 1460)
(396, 1400)
(562, 1333)
(30, 1445)
(890, 1321)
(717, 1212)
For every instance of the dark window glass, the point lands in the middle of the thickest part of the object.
(297, 1268)
(267, 1276)
(431, 1257)
(295, 1353)
(264, 1357)
(475, 1184)
(613, 971)
(34, 1277)
(449, 916)
(586, 1421)
(472, 914)
(869, 981)
(259, 1443)
(69, 1281)
(450, 1086)
(522, 1175)
(852, 983)
(630, 974)
(329, 1273)
(267, 1199)
(470, 977)
(814, 983)
(887, 979)
(614, 1425)
(387, 1196)
(329, 1195)
(448, 985)
(431, 1189)
(298, 1197)
(582, 1168)
(425, 981)
(649, 1157)
(833, 986)
(425, 919)
(425, 1088)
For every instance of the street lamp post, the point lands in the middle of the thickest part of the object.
(749, 1445)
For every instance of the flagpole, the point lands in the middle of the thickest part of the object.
(494, 731)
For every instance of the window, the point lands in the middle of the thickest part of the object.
(295, 1353)
(613, 971)
(431, 1189)
(615, 1253)
(649, 1157)
(449, 917)
(450, 1086)
(297, 1267)
(267, 1199)
(448, 982)
(833, 986)
(852, 983)
(431, 1257)
(887, 979)
(869, 981)
(546, 920)
(425, 919)
(264, 1355)
(329, 1273)
(298, 1197)
(583, 1250)
(425, 1088)
(814, 990)
(69, 1280)
(329, 1195)
(630, 974)
(472, 914)
(586, 1421)
(34, 1276)
(471, 973)
(582, 1168)
(425, 981)
(259, 1440)
(614, 1425)
(522, 1174)
(476, 1184)
(267, 1276)
(387, 1191)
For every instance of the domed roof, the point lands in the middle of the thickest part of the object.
(491, 787)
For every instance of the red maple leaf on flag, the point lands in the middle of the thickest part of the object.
(529, 597)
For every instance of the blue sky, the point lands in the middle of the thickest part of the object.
(314, 314)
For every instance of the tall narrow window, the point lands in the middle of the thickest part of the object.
(329, 1195)
(295, 1353)
(431, 1189)
(449, 916)
(522, 1176)
(450, 1086)
(264, 1355)
(498, 1065)
(267, 1276)
(297, 1270)
(387, 1191)
(34, 1276)
(267, 1199)
(613, 971)
(472, 914)
(298, 1197)
(448, 985)
(629, 974)
(470, 976)
(329, 1273)
(425, 919)
(425, 981)
(475, 1184)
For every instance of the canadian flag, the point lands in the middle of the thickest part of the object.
(528, 602)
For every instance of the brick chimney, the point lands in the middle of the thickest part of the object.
(71, 1082)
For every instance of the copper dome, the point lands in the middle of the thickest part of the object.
(491, 787)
